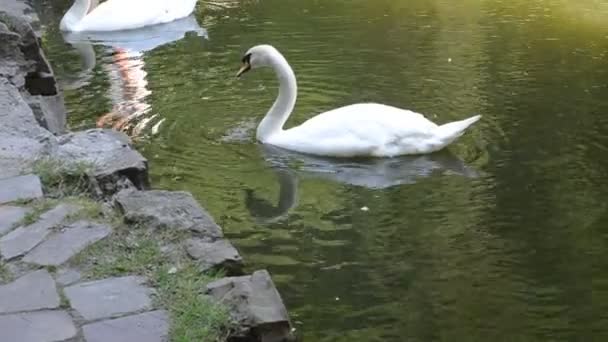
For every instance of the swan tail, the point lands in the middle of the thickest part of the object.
(452, 130)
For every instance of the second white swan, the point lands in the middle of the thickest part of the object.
(115, 15)
(358, 130)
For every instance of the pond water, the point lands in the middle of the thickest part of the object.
(498, 238)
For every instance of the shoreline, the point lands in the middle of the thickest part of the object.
(89, 192)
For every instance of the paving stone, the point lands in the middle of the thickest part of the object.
(67, 276)
(161, 209)
(9, 216)
(20, 188)
(39, 326)
(33, 291)
(146, 327)
(109, 297)
(23, 239)
(60, 247)
(219, 254)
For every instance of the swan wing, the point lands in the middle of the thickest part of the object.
(361, 129)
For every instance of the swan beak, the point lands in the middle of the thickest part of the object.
(244, 68)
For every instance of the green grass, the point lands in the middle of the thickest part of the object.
(38, 207)
(5, 274)
(60, 179)
(89, 210)
(194, 317)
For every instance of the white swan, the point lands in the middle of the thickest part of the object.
(115, 15)
(365, 129)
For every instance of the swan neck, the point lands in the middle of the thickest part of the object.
(75, 14)
(278, 114)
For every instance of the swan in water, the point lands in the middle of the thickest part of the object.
(113, 15)
(365, 129)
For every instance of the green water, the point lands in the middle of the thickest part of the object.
(498, 239)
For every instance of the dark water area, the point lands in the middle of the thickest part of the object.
(498, 238)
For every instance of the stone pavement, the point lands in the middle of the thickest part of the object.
(31, 306)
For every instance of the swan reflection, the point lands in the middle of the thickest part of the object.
(128, 85)
(377, 173)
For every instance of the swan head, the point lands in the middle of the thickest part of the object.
(257, 57)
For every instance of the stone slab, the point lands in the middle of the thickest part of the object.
(67, 276)
(20, 188)
(255, 304)
(168, 210)
(23, 239)
(9, 216)
(146, 327)
(39, 326)
(219, 254)
(109, 297)
(33, 291)
(60, 247)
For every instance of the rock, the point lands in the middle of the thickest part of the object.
(109, 297)
(109, 153)
(256, 306)
(33, 291)
(9, 216)
(219, 254)
(23, 239)
(40, 326)
(20, 188)
(146, 327)
(22, 140)
(67, 276)
(49, 112)
(167, 210)
(61, 246)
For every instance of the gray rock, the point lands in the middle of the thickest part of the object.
(63, 245)
(20, 188)
(219, 254)
(146, 327)
(23, 239)
(33, 291)
(40, 326)
(22, 140)
(9, 216)
(109, 297)
(67, 276)
(49, 111)
(110, 154)
(255, 304)
(167, 210)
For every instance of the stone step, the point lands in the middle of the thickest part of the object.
(39, 326)
(9, 216)
(20, 188)
(33, 291)
(60, 247)
(23, 239)
(146, 327)
(109, 297)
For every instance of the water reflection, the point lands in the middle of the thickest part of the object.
(128, 91)
(376, 173)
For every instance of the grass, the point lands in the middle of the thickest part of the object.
(194, 317)
(60, 179)
(89, 210)
(5, 274)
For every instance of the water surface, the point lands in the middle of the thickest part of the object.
(497, 238)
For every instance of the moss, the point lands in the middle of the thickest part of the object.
(194, 317)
